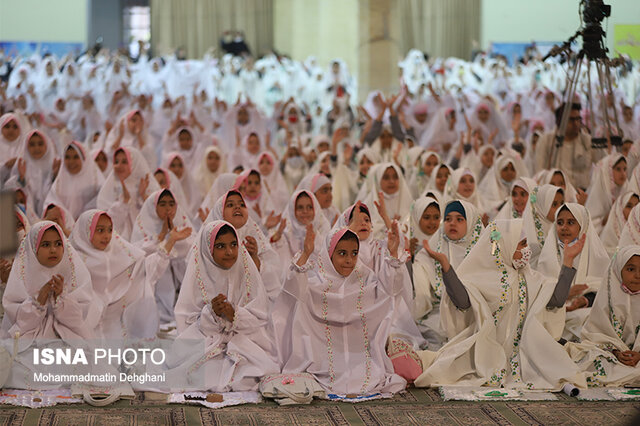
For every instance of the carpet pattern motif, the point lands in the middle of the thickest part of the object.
(415, 407)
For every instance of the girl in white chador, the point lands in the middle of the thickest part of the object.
(334, 316)
(539, 216)
(48, 298)
(610, 348)
(122, 276)
(232, 208)
(222, 305)
(571, 223)
(456, 237)
(509, 336)
(617, 220)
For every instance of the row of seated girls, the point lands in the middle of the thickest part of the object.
(369, 267)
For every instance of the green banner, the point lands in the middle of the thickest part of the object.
(627, 40)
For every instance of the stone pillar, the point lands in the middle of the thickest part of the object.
(378, 47)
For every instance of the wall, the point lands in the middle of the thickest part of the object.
(545, 20)
(105, 20)
(43, 20)
(325, 29)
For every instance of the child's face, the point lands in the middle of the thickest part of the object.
(166, 207)
(390, 182)
(36, 147)
(633, 201)
(620, 173)
(361, 225)
(101, 161)
(325, 165)
(135, 123)
(265, 166)
(558, 180)
(455, 226)
(345, 257)
(324, 196)
(177, 167)
(50, 249)
(72, 161)
(430, 164)
(253, 144)
(558, 200)
(11, 131)
(519, 198)
(160, 178)
(213, 161)
(466, 186)
(225, 250)
(508, 173)
(630, 273)
(253, 186)
(567, 226)
(304, 210)
(487, 158)
(185, 140)
(235, 211)
(103, 232)
(441, 178)
(430, 220)
(121, 166)
(365, 165)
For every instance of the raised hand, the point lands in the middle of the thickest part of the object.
(572, 251)
(57, 285)
(309, 240)
(581, 197)
(44, 293)
(22, 168)
(272, 220)
(180, 234)
(203, 214)
(437, 256)
(144, 184)
(9, 164)
(393, 239)
(382, 209)
(126, 196)
(251, 245)
(276, 237)
(5, 270)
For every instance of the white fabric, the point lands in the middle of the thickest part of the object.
(616, 222)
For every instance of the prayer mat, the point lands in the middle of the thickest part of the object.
(465, 393)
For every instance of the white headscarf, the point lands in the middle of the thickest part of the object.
(295, 231)
(204, 280)
(396, 204)
(508, 211)
(189, 185)
(417, 210)
(603, 190)
(453, 182)
(10, 149)
(570, 193)
(203, 176)
(612, 231)
(536, 225)
(77, 192)
(591, 263)
(28, 276)
(222, 184)
(148, 225)
(631, 232)
(493, 187)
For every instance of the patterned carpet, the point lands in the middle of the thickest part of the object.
(415, 407)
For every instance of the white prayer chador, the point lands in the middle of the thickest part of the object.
(205, 177)
(221, 186)
(270, 270)
(173, 183)
(69, 320)
(336, 327)
(398, 204)
(603, 191)
(78, 192)
(427, 275)
(590, 264)
(570, 192)
(508, 337)
(145, 233)
(238, 353)
(274, 181)
(536, 225)
(39, 173)
(313, 182)
(616, 222)
(9, 149)
(612, 324)
(631, 232)
(292, 240)
(494, 188)
(417, 210)
(451, 191)
(110, 197)
(508, 211)
(122, 277)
